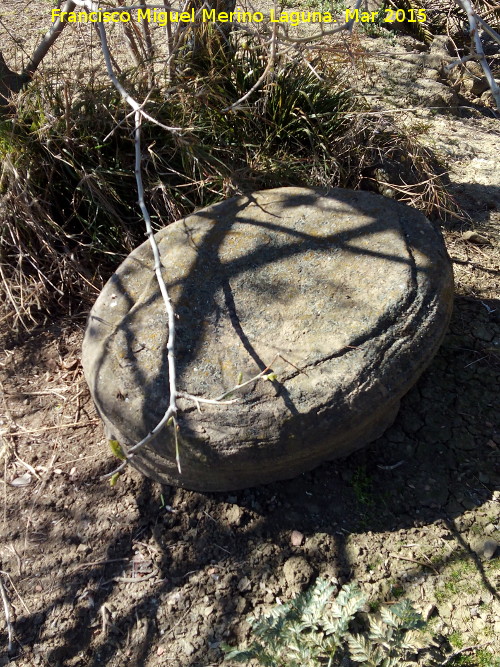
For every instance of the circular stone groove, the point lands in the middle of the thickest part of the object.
(353, 291)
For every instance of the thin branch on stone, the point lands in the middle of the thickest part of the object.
(211, 401)
(172, 406)
(220, 399)
(150, 436)
(277, 36)
(176, 439)
(157, 269)
(170, 417)
(262, 374)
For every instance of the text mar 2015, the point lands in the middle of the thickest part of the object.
(293, 18)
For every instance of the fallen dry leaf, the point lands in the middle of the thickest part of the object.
(474, 237)
(23, 480)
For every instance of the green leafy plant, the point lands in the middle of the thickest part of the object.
(316, 629)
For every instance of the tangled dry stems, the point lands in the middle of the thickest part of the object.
(67, 201)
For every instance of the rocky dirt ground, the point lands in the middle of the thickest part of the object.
(150, 575)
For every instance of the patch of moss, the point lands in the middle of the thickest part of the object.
(479, 658)
(362, 486)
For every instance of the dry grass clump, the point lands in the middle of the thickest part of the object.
(442, 17)
(67, 195)
(61, 207)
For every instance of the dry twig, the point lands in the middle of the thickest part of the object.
(474, 647)
(58, 427)
(418, 562)
(8, 621)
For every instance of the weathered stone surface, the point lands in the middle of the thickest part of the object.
(352, 288)
(439, 54)
(474, 80)
(435, 94)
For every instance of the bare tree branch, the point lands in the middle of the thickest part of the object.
(487, 28)
(125, 95)
(48, 40)
(477, 48)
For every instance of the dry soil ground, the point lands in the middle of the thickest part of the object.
(141, 574)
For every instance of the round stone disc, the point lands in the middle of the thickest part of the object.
(344, 295)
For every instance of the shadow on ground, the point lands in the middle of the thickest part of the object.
(158, 576)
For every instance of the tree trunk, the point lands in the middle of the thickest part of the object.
(10, 82)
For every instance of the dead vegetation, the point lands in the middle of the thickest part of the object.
(67, 198)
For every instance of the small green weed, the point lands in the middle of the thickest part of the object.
(396, 592)
(478, 658)
(362, 486)
(315, 629)
(456, 640)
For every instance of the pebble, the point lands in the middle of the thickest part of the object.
(446, 610)
(475, 237)
(477, 625)
(296, 538)
(241, 605)
(489, 548)
(428, 611)
(486, 597)
(187, 647)
(298, 573)
(462, 613)
(485, 549)
(469, 504)
(244, 584)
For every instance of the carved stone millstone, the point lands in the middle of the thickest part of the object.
(353, 291)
